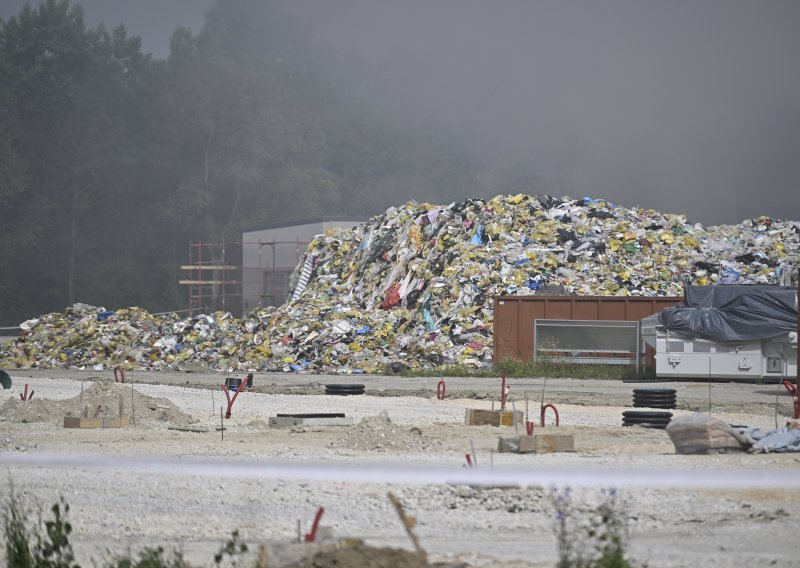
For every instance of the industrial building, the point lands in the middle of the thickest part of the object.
(238, 277)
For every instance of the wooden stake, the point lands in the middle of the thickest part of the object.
(409, 523)
(516, 425)
(709, 386)
(221, 422)
(527, 417)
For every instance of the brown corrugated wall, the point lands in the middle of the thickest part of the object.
(514, 316)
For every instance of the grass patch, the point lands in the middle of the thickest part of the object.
(522, 369)
(44, 543)
(550, 368)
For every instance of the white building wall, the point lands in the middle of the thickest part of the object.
(270, 255)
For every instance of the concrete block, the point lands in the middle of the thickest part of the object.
(476, 417)
(284, 421)
(343, 421)
(291, 421)
(78, 422)
(537, 444)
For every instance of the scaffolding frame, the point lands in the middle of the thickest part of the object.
(215, 273)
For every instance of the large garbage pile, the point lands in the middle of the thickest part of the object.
(414, 287)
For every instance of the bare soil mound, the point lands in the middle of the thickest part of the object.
(363, 556)
(380, 434)
(102, 398)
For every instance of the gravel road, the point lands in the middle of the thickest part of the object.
(116, 509)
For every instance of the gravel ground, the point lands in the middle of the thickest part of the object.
(116, 510)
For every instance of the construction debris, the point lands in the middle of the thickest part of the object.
(413, 288)
(778, 440)
(380, 434)
(409, 523)
(701, 434)
(348, 552)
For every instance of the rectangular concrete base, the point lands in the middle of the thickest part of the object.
(476, 417)
(537, 444)
(77, 422)
(291, 421)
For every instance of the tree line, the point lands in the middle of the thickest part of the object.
(112, 160)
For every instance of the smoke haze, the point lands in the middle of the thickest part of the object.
(684, 106)
(687, 107)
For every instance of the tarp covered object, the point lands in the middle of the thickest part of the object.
(733, 313)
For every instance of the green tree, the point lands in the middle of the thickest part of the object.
(110, 161)
(72, 127)
(250, 120)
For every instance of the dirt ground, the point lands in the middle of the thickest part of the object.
(117, 504)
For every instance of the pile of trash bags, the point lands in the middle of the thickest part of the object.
(778, 440)
(414, 288)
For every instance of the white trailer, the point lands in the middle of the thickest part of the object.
(677, 356)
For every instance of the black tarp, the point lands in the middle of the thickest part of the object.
(733, 312)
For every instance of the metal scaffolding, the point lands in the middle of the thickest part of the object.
(214, 276)
(238, 276)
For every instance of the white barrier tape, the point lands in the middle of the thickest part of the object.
(415, 475)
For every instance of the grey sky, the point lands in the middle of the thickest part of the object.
(152, 20)
(689, 106)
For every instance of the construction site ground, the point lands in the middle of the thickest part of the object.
(176, 416)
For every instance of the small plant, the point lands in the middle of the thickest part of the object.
(56, 550)
(51, 551)
(562, 502)
(594, 541)
(18, 541)
(151, 558)
(233, 548)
